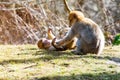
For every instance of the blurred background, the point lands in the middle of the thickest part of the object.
(26, 21)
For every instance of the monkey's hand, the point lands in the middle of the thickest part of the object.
(55, 43)
(58, 48)
(59, 43)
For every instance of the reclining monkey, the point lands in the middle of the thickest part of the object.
(89, 35)
(45, 43)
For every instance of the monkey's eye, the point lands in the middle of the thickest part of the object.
(70, 20)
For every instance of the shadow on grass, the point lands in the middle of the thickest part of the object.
(69, 55)
(36, 57)
(100, 76)
(43, 55)
(28, 60)
(53, 53)
(115, 59)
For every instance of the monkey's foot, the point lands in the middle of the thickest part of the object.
(76, 52)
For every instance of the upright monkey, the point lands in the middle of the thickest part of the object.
(89, 35)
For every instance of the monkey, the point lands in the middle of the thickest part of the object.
(44, 43)
(90, 38)
(48, 43)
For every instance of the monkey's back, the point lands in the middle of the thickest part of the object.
(91, 35)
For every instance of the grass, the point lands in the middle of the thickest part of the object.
(27, 62)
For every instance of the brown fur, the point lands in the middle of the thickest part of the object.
(75, 16)
(44, 43)
(50, 35)
(41, 42)
(69, 45)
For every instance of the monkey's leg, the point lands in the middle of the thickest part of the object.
(50, 35)
(78, 49)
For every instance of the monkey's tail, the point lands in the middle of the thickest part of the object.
(66, 5)
(56, 47)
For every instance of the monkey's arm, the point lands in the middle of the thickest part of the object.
(69, 36)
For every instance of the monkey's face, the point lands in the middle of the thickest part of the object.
(44, 43)
(40, 44)
(72, 19)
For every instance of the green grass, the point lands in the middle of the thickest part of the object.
(27, 62)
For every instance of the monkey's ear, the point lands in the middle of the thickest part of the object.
(39, 44)
(41, 40)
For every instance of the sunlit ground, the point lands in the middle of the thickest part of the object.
(27, 62)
